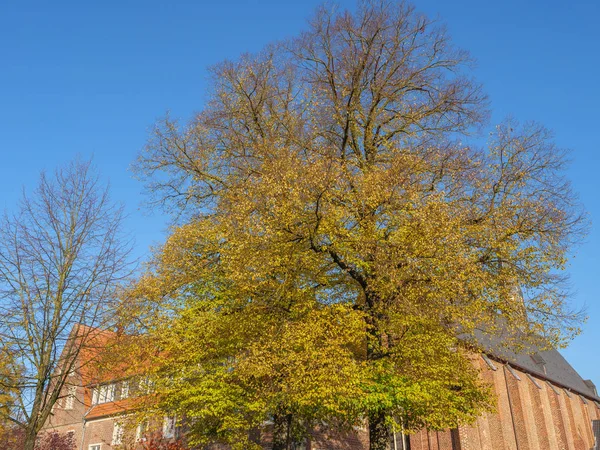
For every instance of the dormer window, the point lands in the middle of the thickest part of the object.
(124, 389)
(103, 394)
(590, 384)
(146, 385)
(539, 361)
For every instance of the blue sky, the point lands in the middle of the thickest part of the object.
(90, 78)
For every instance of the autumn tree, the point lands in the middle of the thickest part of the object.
(336, 216)
(50, 440)
(7, 400)
(13, 438)
(61, 255)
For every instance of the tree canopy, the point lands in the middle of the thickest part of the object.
(342, 234)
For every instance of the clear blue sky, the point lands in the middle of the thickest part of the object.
(90, 78)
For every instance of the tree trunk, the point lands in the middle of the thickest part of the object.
(282, 428)
(378, 343)
(379, 433)
(30, 438)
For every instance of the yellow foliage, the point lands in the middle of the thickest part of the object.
(341, 240)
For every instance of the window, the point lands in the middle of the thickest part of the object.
(117, 437)
(590, 384)
(169, 427)
(125, 389)
(71, 395)
(146, 386)
(596, 431)
(140, 432)
(71, 438)
(103, 394)
(110, 396)
(107, 393)
(538, 359)
(96, 447)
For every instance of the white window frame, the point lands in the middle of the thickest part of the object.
(106, 393)
(169, 427)
(141, 431)
(125, 389)
(146, 385)
(95, 447)
(118, 432)
(71, 395)
(111, 393)
(103, 393)
(95, 395)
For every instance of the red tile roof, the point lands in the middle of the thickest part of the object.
(100, 358)
(114, 408)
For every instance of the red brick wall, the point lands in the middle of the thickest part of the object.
(99, 432)
(357, 440)
(527, 417)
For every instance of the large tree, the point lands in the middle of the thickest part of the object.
(62, 254)
(331, 201)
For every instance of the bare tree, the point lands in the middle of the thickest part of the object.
(62, 254)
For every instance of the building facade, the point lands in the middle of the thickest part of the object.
(542, 403)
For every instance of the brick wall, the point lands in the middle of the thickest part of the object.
(527, 417)
(99, 432)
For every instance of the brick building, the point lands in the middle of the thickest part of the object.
(542, 403)
(94, 406)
